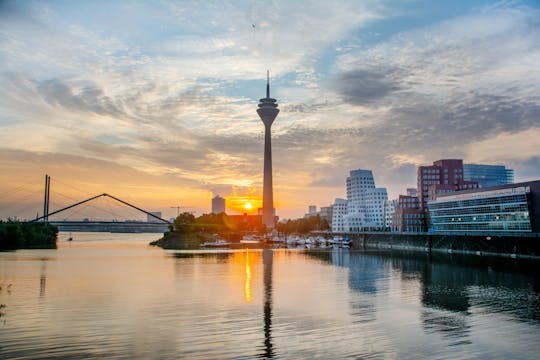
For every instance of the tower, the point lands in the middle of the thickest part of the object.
(267, 112)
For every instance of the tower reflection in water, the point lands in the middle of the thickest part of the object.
(268, 262)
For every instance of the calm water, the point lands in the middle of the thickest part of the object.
(110, 295)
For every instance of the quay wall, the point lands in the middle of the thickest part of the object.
(498, 245)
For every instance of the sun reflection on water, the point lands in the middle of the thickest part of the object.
(248, 297)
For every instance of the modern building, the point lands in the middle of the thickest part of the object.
(339, 210)
(390, 209)
(375, 218)
(488, 175)
(408, 217)
(326, 213)
(441, 177)
(506, 208)
(365, 202)
(312, 211)
(152, 219)
(412, 192)
(218, 205)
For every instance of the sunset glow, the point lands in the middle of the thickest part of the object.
(157, 107)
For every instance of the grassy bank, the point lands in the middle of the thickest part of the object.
(17, 235)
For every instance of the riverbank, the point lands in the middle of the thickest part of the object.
(17, 235)
(506, 246)
(173, 240)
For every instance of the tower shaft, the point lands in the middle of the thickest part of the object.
(268, 189)
(267, 112)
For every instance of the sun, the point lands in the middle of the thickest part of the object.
(248, 206)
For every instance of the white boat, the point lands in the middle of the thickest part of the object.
(250, 239)
(217, 243)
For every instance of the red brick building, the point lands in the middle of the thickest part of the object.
(444, 176)
(408, 217)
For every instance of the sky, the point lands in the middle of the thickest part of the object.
(155, 101)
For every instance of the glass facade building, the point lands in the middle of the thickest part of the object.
(507, 208)
(488, 175)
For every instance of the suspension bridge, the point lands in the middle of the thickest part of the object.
(153, 224)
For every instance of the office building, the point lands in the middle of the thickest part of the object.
(505, 208)
(218, 205)
(408, 216)
(390, 209)
(339, 210)
(488, 175)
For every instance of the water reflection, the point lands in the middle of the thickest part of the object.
(43, 277)
(247, 283)
(268, 263)
(94, 301)
(450, 287)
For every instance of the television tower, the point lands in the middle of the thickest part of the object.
(267, 112)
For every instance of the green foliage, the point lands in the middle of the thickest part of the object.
(17, 235)
(221, 224)
(303, 225)
(184, 222)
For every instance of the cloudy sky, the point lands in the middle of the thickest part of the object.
(154, 102)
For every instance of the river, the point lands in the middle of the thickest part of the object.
(113, 296)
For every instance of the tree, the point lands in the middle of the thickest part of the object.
(184, 222)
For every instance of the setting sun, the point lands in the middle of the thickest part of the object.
(248, 206)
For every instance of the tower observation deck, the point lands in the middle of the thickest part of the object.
(267, 112)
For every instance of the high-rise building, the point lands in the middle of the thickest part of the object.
(488, 175)
(443, 176)
(365, 202)
(312, 209)
(267, 112)
(339, 210)
(218, 205)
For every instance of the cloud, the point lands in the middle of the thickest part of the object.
(169, 90)
(365, 86)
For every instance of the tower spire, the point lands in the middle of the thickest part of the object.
(268, 84)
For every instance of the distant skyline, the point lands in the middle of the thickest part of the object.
(155, 102)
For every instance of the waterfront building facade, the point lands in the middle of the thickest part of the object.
(365, 202)
(390, 209)
(339, 210)
(505, 208)
(408, 216)
(218, 205)
(488, 175)
(443, 176)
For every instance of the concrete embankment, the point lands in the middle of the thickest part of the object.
(499, 245)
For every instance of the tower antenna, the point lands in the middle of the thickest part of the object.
(268, 84)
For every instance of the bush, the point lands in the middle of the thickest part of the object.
(17, 235)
